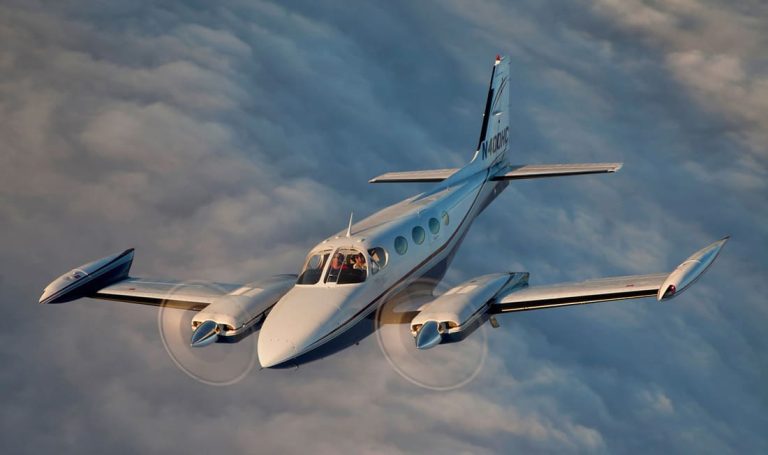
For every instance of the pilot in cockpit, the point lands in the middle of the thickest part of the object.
(359, 262)
(337, 263)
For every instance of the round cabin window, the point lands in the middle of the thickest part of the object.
(434, 225)
(418, 235)
(401, 245)
(446, 220)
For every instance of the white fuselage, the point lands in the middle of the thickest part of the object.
(311, 315)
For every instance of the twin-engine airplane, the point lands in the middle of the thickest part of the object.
(348, 276)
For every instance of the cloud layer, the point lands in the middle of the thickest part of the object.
(222, 141)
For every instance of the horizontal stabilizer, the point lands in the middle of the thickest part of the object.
(433, 175)
(530, 171)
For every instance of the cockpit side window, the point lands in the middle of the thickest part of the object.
(378, 259)
(313, 269)
(347, 267)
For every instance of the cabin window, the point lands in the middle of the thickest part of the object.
(446, 220)
(434, 226)
(378, 259)
(313, 268)
(418, 235)
(347, 266)
(401, 245)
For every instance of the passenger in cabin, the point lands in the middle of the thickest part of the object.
(374, 256)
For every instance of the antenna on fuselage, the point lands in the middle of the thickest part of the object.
(349, 228)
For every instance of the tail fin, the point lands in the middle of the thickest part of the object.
(494, 134)
(491, 156)
(492, 146)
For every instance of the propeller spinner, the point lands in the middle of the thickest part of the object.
(205, 334)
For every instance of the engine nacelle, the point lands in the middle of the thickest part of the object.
(232, 316)
(456, 314)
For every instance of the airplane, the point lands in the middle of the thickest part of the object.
(348, 276)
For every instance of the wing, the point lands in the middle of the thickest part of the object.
(663, 286)
(172, 293)
(529, 171)
(107, 279)
(225, 311)
(590, 291)
(454, 315)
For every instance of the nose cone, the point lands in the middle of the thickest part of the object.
(275, 350)
(296, 323)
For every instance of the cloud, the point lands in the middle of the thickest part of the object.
(719, 82)
(714, 53)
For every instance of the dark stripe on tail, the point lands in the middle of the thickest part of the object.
(487, 112)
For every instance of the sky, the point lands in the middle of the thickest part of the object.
(224, 139)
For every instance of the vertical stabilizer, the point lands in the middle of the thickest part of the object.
(494, 133)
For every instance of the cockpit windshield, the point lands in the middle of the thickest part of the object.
(313, 269)
(347, 266)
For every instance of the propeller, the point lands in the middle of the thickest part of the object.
(424, 361)
(196, 352)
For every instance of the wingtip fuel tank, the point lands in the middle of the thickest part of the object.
(690, 270)
(88, 278)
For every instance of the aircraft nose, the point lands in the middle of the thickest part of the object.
(275, 350)
(299, 320)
